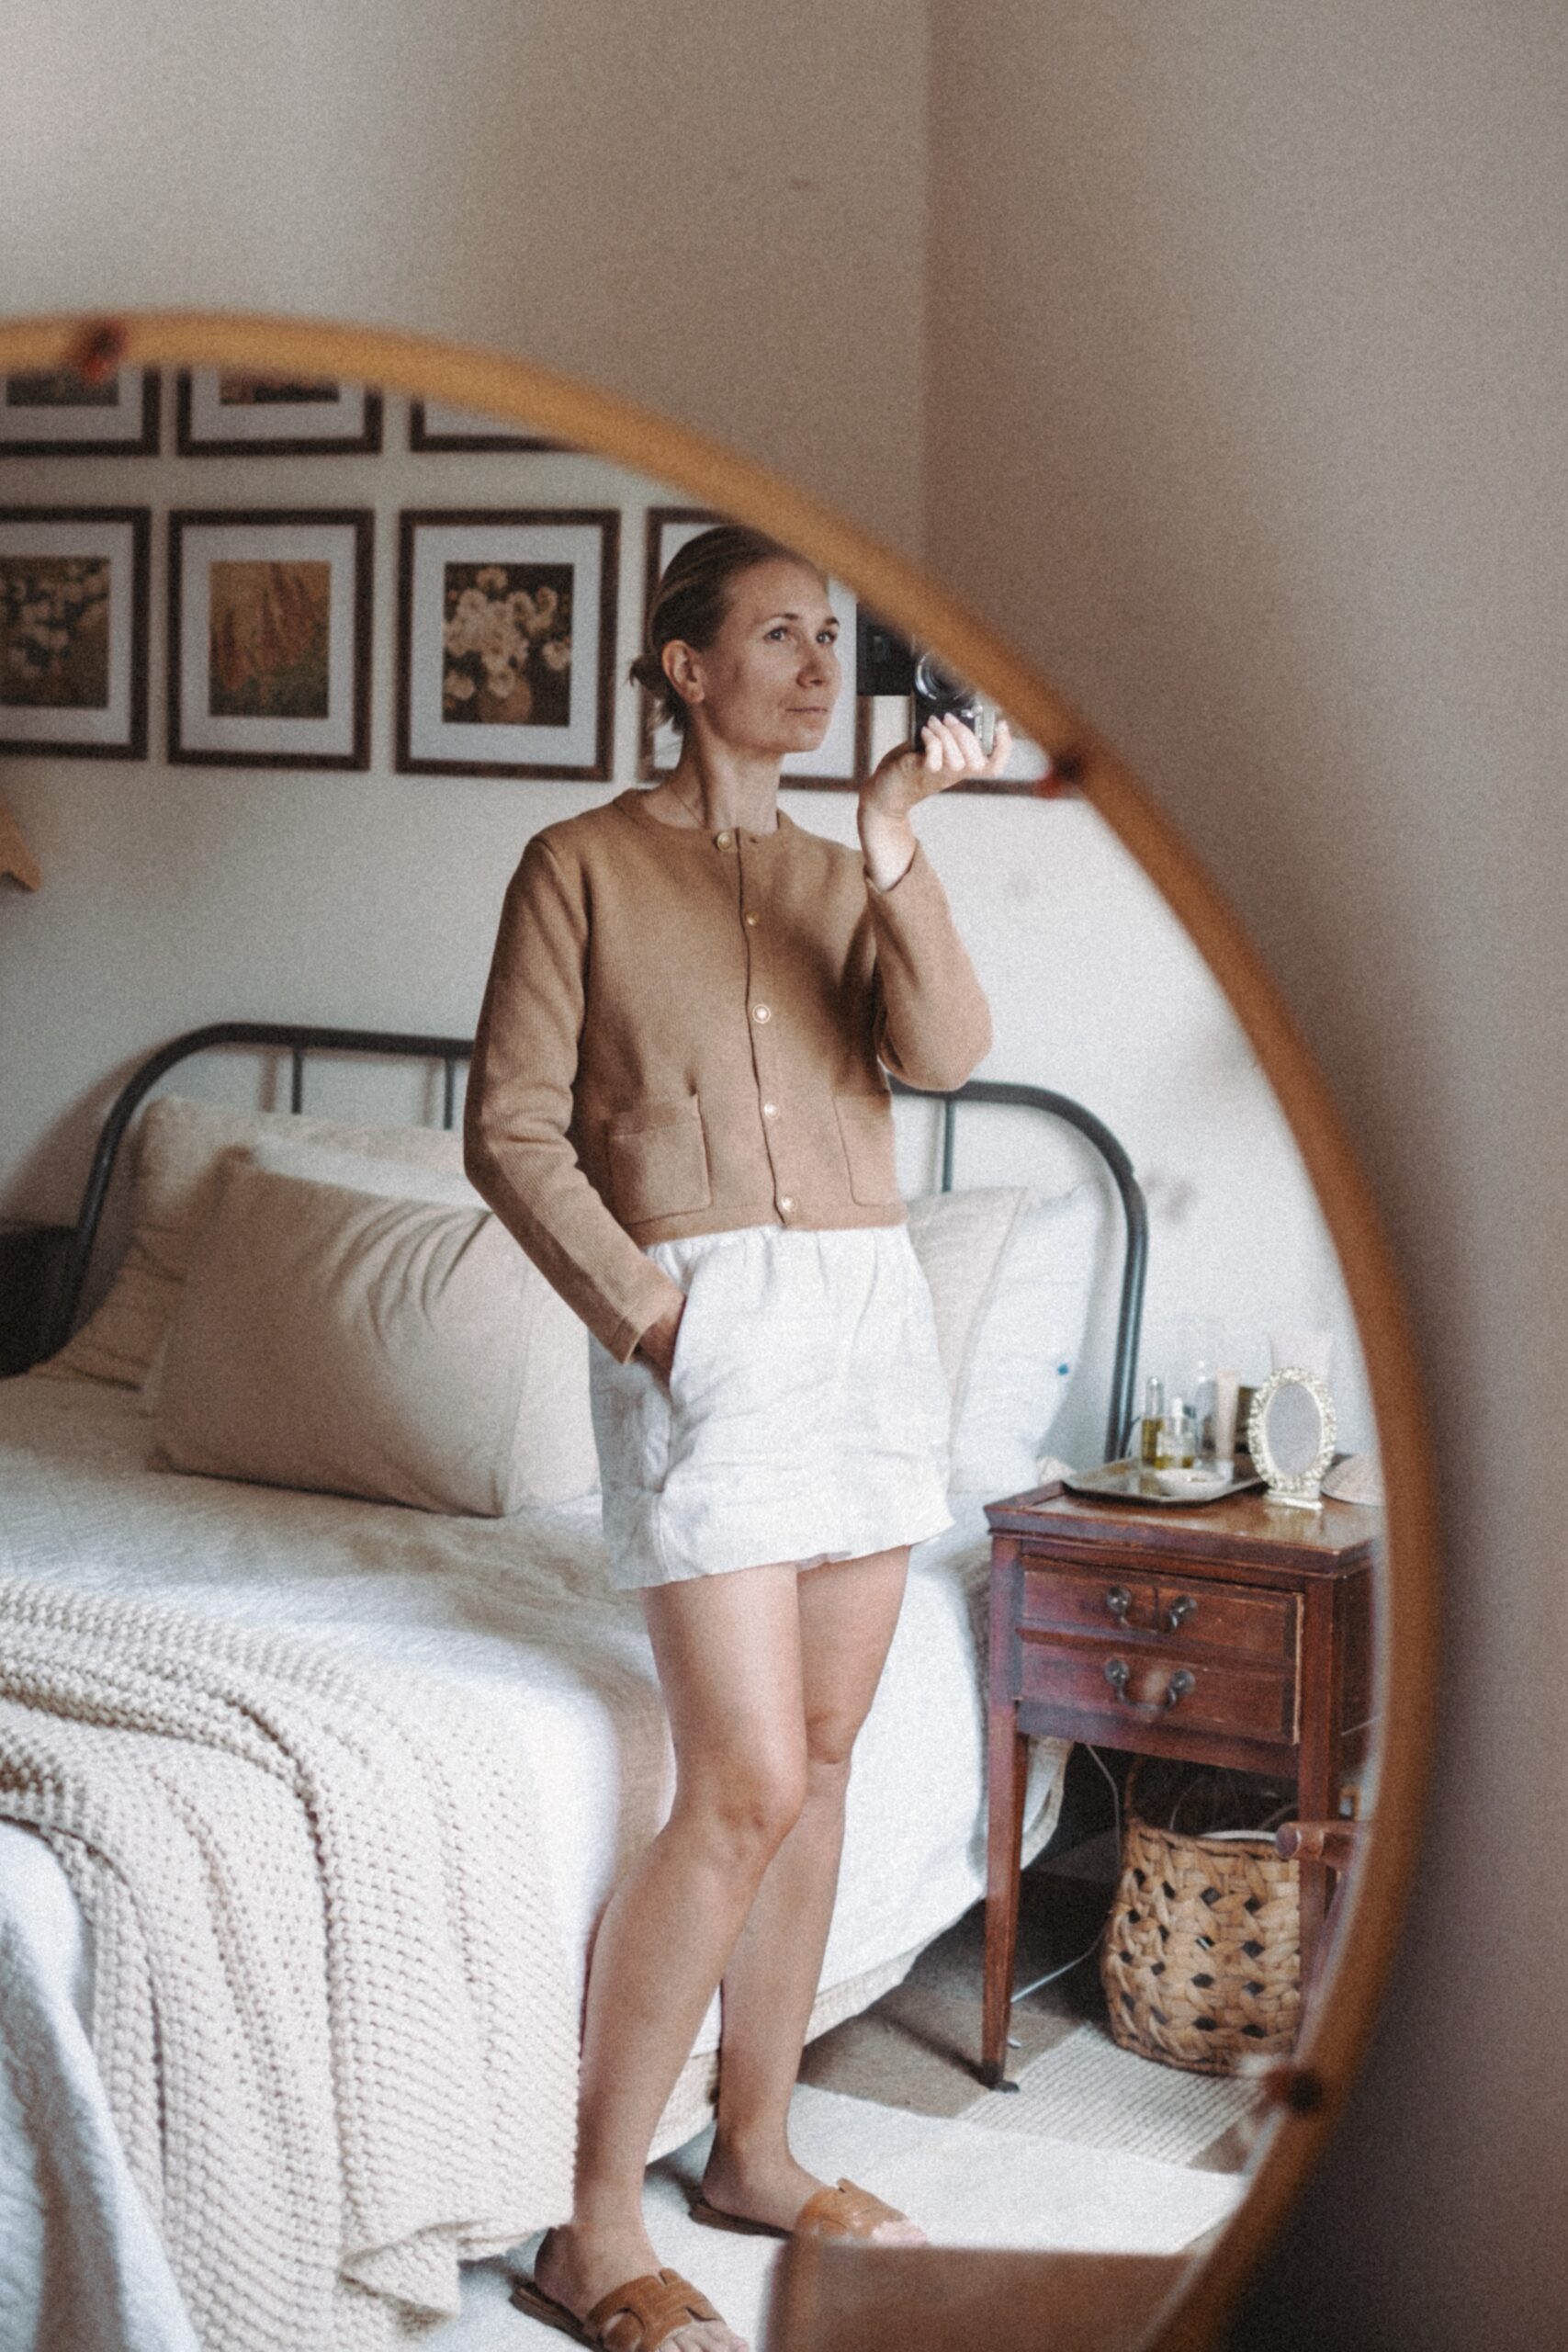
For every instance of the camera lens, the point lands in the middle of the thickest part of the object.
(933, 684)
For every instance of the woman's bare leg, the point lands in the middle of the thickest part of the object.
(848, 1613)
(729, 1653)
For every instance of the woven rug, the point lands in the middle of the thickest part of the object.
(1088, 2090)
(968, 2185)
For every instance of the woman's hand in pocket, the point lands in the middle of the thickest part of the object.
(657, 1345)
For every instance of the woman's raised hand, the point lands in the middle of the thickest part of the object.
(948, 753)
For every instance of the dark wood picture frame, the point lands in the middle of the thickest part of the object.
(486, 439)
(143, 442)
(188, 443)
(134, 744)
(607, 521)
(648, 769)
(359, 522)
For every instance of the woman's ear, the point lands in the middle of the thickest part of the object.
(683, 670)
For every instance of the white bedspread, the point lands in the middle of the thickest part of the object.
(517, 1614)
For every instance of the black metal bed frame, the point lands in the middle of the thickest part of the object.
(299, 1039)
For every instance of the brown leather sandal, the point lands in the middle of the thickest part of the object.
(845, 2212)
(639, 2317)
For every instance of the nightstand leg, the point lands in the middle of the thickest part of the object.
(1008, 1770)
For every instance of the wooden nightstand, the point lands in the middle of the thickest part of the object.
(1238, 1633)
(32, 1262)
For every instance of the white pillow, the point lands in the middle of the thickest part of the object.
(1028, 1346)
(1011, 1272)
(350, 1342)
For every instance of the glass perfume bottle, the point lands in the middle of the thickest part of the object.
(1176, 1445)
(1149, 1428)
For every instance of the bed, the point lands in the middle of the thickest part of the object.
(233, 1544)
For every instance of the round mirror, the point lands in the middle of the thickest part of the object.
(305, 633)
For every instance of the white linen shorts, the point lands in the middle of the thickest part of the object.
(806, 1417)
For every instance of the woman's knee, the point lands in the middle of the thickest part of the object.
(831, 1736)
(746, 1808)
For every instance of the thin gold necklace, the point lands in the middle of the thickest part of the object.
(686, 804)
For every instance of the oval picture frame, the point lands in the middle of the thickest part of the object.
(1300, 1488)
(1310, 2092)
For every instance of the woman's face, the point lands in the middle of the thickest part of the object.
(769, 681)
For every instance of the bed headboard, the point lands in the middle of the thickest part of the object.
(299, 1040)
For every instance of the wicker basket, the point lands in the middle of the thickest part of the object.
(1201, 1959)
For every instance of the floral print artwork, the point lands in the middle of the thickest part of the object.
(506, 644)
(54, 632)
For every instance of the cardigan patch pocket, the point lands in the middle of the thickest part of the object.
(657, 1162)
(865, 1130)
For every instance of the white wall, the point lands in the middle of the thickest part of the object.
(177, 895)
(1245, 329)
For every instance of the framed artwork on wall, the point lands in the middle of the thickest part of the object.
(435, 425)
(221, 413)
(506, 642)
(269, 637)
(73, 631)
(55, 412)
(840, 760)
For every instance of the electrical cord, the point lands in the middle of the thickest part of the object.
(1067, 1966)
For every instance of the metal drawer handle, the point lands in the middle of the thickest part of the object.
(1118, 1673)
(1181, 1608)
(1118, 1600)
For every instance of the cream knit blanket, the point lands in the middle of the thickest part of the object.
(330, 2005)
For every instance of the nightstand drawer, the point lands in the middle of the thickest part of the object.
(1245, 1700)
(1231, 1617)
(1063, 1601)
(1212, 1616)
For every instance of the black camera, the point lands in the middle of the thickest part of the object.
(886, 663)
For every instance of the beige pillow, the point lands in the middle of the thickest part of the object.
(343, 1341)
(177, 1143)
(557, 1429)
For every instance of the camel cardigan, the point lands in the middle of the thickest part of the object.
(685, 1032)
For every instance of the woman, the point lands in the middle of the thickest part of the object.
(676, 1104)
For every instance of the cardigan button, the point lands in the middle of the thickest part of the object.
(770, 1110)
(724, 839)
(761, 1012)
(786, 1203)
(751, 916)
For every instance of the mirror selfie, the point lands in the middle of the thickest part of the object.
(693, 1542)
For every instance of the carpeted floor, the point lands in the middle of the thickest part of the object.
(1097, 2150)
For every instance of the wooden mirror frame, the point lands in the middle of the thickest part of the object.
(1313, 2089)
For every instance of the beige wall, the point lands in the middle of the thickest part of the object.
(617, 190)
(1254, 436)
(1244, 412)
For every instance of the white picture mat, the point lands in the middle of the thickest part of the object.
(433, 737)
(472, 424)
(118, 421)
(210, 420)
(835, 756)
(117, 540)
(204, 544)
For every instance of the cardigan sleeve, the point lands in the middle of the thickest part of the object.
(516, 1149)
(932, 1025)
